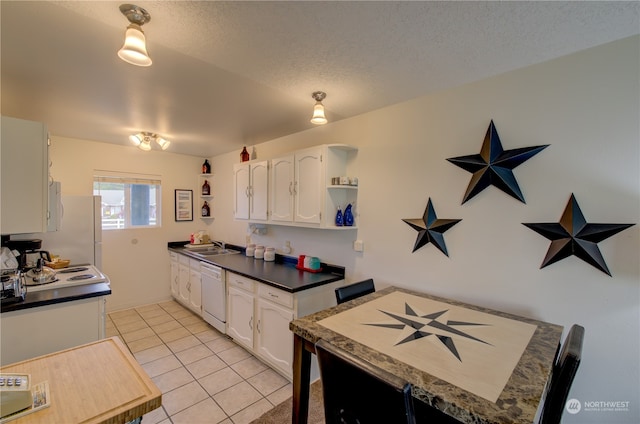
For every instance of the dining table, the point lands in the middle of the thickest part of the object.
(475, 364)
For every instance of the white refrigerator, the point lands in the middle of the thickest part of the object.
(79, 235)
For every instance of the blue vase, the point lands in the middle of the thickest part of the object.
(348, 216)
(339, 217)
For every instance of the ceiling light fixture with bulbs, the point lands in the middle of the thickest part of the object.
(134, 50)
(143, 140)
(318, 117)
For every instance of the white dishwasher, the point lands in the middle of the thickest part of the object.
(214, 293)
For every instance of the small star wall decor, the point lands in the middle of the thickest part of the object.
(494, 166)
(431, 229)
(574, 236)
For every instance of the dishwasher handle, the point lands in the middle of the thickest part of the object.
(212, 270)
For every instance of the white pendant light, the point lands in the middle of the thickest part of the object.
(134, 50)
(318, 117)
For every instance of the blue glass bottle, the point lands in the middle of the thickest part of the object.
(339, 217)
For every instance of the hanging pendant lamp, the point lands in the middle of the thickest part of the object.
(134, 50)
(318, 117)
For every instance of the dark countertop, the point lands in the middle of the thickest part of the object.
(281, 273)
(61, 295)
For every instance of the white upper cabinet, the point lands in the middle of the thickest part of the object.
(25, 176)
(301, 192)
(281, 189)
(307, 187)
(296, 187)
(250, 183)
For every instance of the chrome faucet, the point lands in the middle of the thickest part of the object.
(220, 244)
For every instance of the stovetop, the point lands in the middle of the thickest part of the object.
(72, 276)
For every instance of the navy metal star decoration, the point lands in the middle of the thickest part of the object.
(436, 325)
(494, 166)
(574, 236)
(431, 229)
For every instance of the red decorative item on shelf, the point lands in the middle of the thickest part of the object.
(244, 155)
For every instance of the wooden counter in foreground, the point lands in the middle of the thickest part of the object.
(98, 382)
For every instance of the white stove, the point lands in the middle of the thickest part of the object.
(72, 276)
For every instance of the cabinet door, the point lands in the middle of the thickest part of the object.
(183, 277)
(195, 291)
(24, 176)
(308, 185)
(281, 189)
(259, 184)
(241, 191)
(274, 339)
(175, 279)
(240, 317)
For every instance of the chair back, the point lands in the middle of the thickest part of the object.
(562, 376)
(356, 391)
(354, 290)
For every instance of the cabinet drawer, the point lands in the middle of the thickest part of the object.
(243, 282)
(184, 260)
(276, 295)
(173, 256)
(194, 264)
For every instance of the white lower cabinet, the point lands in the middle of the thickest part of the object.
(240, 316)
(258, 317)
(32, 332)
(274, 341)
(175, 274)
(186, 283)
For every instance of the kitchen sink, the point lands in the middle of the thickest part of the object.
(213, 251)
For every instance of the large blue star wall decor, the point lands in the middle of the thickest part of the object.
(574, 236)
(431, 229)
(494, 166)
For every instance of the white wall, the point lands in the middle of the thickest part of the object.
(135, 260)
(586, 106)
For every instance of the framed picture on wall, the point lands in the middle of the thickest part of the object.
(184, 205)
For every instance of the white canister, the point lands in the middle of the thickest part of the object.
(250, 249)
(270, 254)
(259, 252)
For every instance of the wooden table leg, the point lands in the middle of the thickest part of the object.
(301, 376)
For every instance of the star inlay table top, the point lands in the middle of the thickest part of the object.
(475, 364)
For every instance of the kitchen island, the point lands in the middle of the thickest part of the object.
(98, 382)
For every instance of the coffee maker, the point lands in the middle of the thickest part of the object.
(28, 252)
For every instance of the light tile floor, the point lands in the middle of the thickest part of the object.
(204, 376)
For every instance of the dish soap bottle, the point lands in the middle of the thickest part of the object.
(206, 167)
(339, 217)
(348, 216)
(206, 211)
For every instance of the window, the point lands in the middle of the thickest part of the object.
(128, 200)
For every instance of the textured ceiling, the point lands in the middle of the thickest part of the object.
(226, 74)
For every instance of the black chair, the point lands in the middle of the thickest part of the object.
(354, 290)
(355, 391)
(564, 370)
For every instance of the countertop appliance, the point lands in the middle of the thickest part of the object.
(72, 276)
(214, 302)
(12, 289)
(79, 236)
